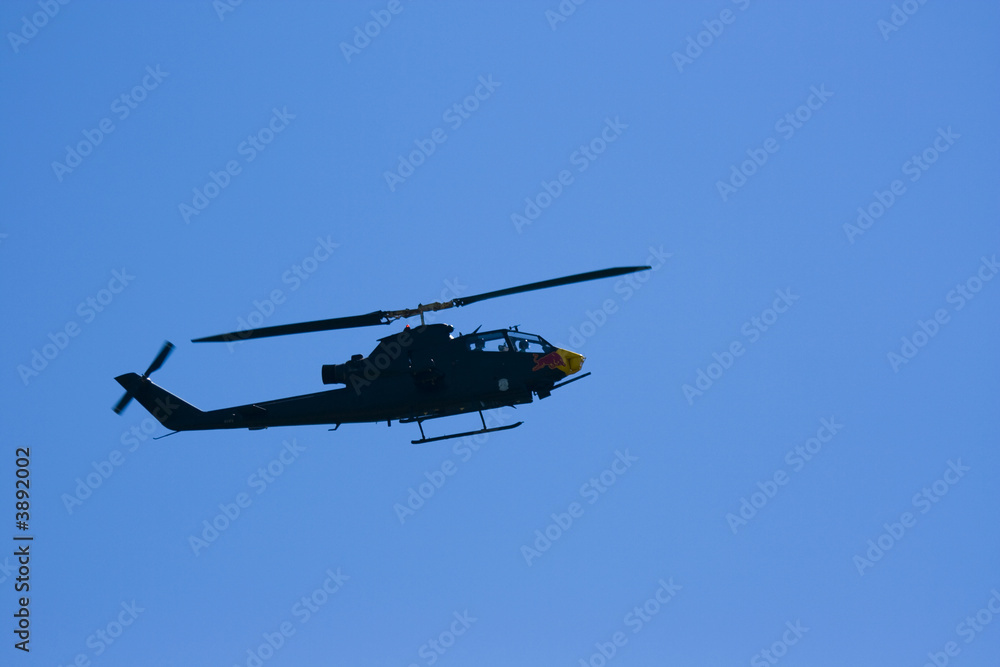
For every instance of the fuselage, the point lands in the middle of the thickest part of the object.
(417, 373)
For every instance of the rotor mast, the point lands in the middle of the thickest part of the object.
(393, 315)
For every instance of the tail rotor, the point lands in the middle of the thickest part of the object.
(165, 351)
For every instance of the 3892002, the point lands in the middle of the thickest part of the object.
(23, 483)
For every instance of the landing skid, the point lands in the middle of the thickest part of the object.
(423, 438)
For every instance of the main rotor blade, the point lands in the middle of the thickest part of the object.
(165, 351)
(371, 319)
(555, 282)
(385, 317)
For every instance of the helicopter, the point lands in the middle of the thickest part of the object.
(412, 376)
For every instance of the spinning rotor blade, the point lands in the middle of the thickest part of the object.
(161, 357)
(371, 319)
(545, 284)
(165, 351)
(125, 400)
(385, 317)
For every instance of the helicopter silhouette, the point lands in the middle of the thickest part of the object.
(415, 375)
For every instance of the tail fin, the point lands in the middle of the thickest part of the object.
(172, 412)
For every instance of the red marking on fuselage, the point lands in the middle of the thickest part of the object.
(550, 360)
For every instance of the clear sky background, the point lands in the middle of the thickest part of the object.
(736, 166)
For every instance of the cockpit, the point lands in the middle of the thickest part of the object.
(505, 341)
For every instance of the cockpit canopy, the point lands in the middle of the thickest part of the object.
(505, 341)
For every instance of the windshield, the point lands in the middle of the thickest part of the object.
(525, 342)
(493, 341)
(505, 341)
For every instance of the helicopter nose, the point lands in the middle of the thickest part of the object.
(573, 362)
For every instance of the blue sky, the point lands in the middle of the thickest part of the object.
(786, 451)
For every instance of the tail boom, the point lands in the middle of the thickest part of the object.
(169, 410)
